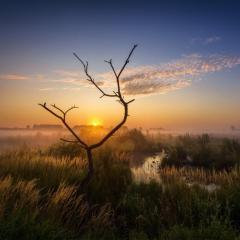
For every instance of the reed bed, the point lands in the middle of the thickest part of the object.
(200, 175)
(48, 170)
(40, 199)
(61, 207)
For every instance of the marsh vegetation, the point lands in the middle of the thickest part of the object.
(39, 197)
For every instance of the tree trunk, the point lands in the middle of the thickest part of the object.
(86, 180)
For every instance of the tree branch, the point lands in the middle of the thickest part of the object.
(89, 77)
(60, 110)
(112, 67)
(127, 61)
(49, 110)
(116, 94)
(68, 110)
(69, 141)
(62, 118)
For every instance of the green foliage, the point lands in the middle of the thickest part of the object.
(203, 151)
(23, 227)
(27, 211)
(232, 196)
(150, 208)
(214, 231)
(60, 150)
(48, 170)
(140, 209)
(132, 141)
(111, 180)
(39, 197)
(177, 156)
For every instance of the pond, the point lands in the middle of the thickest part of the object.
(145, 168)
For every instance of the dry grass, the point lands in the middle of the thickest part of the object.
(200, 175)
(62, 207)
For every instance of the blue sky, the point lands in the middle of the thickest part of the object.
(44, 34)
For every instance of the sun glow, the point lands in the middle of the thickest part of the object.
(95, 122)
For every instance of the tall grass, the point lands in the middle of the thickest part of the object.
(23, 203)
(48, 170)
(202, 151)
(200, 175)
(39, 197)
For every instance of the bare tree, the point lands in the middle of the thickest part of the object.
(61, 114)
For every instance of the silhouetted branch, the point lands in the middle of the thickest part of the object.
(89, 77)
(116, 94)
(68, 110)
(64, 112)
(112, 67)
(62, 118)
(49, 110)
(127, 61)
(69, 141)
(130, 101)
(60, 110)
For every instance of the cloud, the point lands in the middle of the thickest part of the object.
(206, 41)
(60, 89)
(66, 73)
(46, 89)
(141, 80)
(146, 80)
(212, 39)
(15, 77)
(66, 76)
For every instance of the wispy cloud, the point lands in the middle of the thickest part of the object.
(146, 80)
(66, 76)
(206, 40)
(60, 89)
(212, 39)
(13, 77)
(46, 89)
(141, 80)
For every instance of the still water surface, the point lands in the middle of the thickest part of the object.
(146, 169)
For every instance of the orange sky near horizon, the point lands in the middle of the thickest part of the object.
(182, 109)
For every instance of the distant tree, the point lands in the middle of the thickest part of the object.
(61, 114)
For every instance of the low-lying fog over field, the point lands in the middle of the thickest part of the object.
(15, 138)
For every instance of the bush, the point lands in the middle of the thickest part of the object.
(214, 231)
(111, 179)
(203, 151)
(66, 150)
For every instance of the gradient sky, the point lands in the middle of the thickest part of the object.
(185, 73)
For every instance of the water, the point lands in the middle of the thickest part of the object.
(209, 187)
(146, 169)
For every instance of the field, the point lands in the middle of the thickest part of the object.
(197, 197)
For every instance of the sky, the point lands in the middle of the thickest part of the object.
(184, 74)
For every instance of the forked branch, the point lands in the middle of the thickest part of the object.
(61, 114)
(117, 94)
(62, 117)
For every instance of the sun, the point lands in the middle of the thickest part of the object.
(95, 122)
